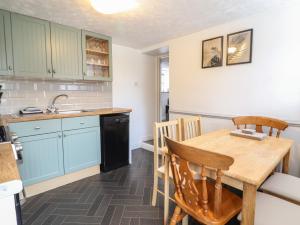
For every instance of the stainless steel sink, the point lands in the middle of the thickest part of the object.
(69, 111)
(74, 111)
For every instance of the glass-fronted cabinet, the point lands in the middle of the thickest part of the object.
(97, 60)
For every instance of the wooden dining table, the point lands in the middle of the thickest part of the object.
(254, 161)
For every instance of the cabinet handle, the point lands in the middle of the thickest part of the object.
(65, 135)
(59, 135)
(37, 128)
(49, 71)
(9, 67)
(53, 71)
(81, 123)
(84, 73)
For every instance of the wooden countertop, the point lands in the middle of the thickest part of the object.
(6, 119)
(8, 166)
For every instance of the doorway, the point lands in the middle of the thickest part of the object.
(164, 88)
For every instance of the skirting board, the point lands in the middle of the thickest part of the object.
(60, 181)
(147, 146)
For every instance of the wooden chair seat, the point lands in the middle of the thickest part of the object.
(231, 205)
(283, 186)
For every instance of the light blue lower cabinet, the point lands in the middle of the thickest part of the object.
(42, 158)
(81, 148)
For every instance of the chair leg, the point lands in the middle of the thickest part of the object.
(166, 191)
(176, 216)
(155, 187)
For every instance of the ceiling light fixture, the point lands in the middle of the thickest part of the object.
(113, 6)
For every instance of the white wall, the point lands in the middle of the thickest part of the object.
(134, 87)
(269, 86)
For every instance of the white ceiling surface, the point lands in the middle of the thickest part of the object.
(154, 21)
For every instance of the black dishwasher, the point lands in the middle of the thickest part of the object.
(114, 141)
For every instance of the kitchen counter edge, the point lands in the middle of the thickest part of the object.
(6, 119)
(8, 166)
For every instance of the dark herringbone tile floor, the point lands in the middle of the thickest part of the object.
(120, 197)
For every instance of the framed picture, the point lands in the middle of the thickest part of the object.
(239, 47)
(212, 52)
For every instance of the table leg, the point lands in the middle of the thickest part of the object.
(286, 163)
(249, 199)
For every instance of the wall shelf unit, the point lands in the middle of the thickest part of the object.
(96, 56)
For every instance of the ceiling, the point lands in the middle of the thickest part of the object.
(154, 21)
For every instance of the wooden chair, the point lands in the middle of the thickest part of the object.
(260, 122)
(281, 185)
(206, 201)
(171, 129)
(191, 127)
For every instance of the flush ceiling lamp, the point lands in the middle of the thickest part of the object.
(113, 6)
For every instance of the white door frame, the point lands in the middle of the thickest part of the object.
(158, 86)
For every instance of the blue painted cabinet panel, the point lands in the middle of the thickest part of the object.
(66, 52)
(81, 148)
(31, 46)
(42, 158)
(6, 61)
(31, 128)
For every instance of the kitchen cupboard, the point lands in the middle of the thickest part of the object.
(6, 61)
(31, 46)
(97, 61)
(66, 52)
(81, 148)
(42, 158)
(56, 147)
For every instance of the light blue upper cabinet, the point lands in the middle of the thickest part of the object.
(97, 56)
(31, 46)
(42, 158)
(6, 61)
(81, 148)
(66, 52)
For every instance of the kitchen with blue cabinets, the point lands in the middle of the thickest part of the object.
(56, 84)
(59, 145)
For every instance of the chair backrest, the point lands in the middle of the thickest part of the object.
(260, 122)
(191, 127)
(181, 156)
(171, 129)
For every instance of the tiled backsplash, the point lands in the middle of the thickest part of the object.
(18, 94)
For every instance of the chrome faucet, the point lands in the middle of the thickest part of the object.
(52, 108)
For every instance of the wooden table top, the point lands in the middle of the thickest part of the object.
(253, 160)
(6, 119)
(8, 166)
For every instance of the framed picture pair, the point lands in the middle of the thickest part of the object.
(239, 49)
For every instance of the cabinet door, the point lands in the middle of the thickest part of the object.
(81, 148)
(6, 62)
(42, 158)
(31, 46)
(66, 52)
(97, 56)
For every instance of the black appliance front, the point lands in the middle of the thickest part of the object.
(114, 141)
